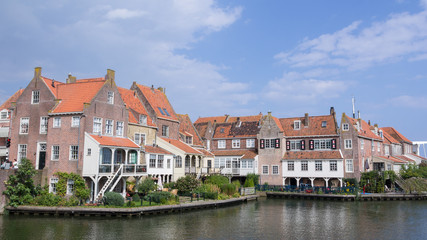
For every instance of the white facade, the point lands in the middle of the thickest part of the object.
(233, 165)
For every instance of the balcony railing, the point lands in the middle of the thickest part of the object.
(128, 169)
(190, 170)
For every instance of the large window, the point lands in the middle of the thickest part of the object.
(24, 125)
(55, 152)
(250, 143)
(70, 186)
(270, 143)
(152, 161)
(119, 129)
(322, 144)
(235, 143)
(22, 151)
(110, 97)
(250, 164)
(75, 121)
(333, 165)
(165, 131)
(349, 165)
(160, 160)
(348, 144)
(221, 143)
(275, 170)
(43, 125)
(295, 144)
(74, 152)
(318, 165)
(304, 165)
(97, 125)
(178, 161)
(140, 138)
(3, 115)
(57, 122)
(378, 146)
(109, 127)
(265, 169)
(291, 166)
(53, 182)
(35, 99)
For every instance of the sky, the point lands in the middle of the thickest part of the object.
(238, 57)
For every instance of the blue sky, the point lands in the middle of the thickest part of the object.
(237, 57)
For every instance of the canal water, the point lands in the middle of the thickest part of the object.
(262, 219)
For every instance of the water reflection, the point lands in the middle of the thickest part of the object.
(265, 219)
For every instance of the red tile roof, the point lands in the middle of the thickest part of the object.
(201, 128)
(233, 130)
(206, 152)
(13, 98)
(218, 119)
(188, 129)
(48, 83)
(396, 135)
(390, 158)
(314, 127)
(388, 139)
(254, 118)
(156, 149)
(289, 155)
(157, 99)
(182, 145)
(245, 154)
(133, 102)
(114, 141)
(418, 156)
(365, 130)
(404, 158)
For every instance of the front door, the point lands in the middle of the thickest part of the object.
(42, 155)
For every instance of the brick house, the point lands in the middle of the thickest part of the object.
(312, 154)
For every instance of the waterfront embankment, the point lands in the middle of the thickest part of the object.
(338, 197)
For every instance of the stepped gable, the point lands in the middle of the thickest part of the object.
(133, 102)
(396, 135)
(187, 128)
(311, 128)
(159, 102)
(301, 155)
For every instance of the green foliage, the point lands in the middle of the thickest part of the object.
(113, 199)
(350, 182)
(218, 180)
(159, 197)
(411, 170)
(236, 183)
(228, 189)
(80, 190)
(20, 187)
(249, 182)
(136, 198)
(254, 177)
(187, 184)
(372, 181)
(170, 185)
(223, 196)
(147, 185)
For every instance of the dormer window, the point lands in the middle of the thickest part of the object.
(166, 111)
(221, 130)
(142, 119)
(381, 133)
(35, 99)
(161, 111)
(297, 125)
(110, 97)
(189, 140)
(323, 124)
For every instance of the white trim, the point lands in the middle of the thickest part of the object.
(262, 169)
(352, 166)
(272, 170)
(345, 144)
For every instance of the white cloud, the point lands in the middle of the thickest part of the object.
(123, 13)
(402, 36)
(417, 102)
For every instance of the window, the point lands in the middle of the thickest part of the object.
(97, 125)
(53, 182)
(221, 130)
(345, 127)
(333, 165)
(75, 121)
(269, 143)
(152, 161)
(189, 139)
(168, 163)
(378, 146)
(109, 127)
(372, 146)
(304, 165)
(3, 115)
(228, 163)
(22, 151)
(295, 144)
(119, 129)
(110, 97)
(221, 143)
(291, 166)
(35, 99)
(89, 151)
(389, 167)
(139, 138)
(322, 144)
(265, 169)
(43, 125)
(275, 170)
(166, 111)
(348, 144)
(160, 159)
(362, 144)
(55, 152)
(250, 143)
(142, 119)
(235, 143)
(244, 164)
(386, 150)
(318, 165)
(165, 131)
(161, 111)
(297, 125)
(323, 124)
(70, 186)
(24, 125)
(250, 164)
(349, 165)
(178, 161)
(74, 152)
(57, 122)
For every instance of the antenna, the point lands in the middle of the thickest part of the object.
(353, 101)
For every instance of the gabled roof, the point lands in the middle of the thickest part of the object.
(418, 156)
(236, 129)
(405, 158)
(218, 119)
(13, 98)
(73, 96)
(388, 139)
(290, 155)
(159, 102)
(244, 154)
(389, 158)
(201, 128)
(187, 128)
(206, 152)
(396, 135)
(114, 141)
(51, 86)
(314, 127)
(156, 149)
(182, 145)
(365, 129)
(132, 101)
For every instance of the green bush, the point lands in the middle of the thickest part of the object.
(210, 195)
(170, 185)
(236, 183)
(350, 182)
(159, 197)
(411, 170)
(228, 189)
(136, 198)
(187, 184)
(146, 186)
(218, 180)
(254, 177)
(249, 182)
(47, 199)
(113, 199)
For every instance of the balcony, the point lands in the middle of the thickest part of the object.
(128, 169)
(190, 170)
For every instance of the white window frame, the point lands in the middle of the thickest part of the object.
(152, 161)
(318, 165)
(142, 119)
(304, 166)
(378, 146)
(24, 125)
(109, 127)
(345, 126)
(53, 185)
(265, 169)
(22, 151)
(333, 165)
(44, 124)
(74, 156)
(119, 128)
(295, 145)
(297, 125)
(221, 144)
(275, 169)
(250, 143)
(165, 130)
(291, 166)
(235, 143)
(55, 153)
(349, 165)
(160, 161)
(362, 144)
(321, 144)
(348, 144)
(70, 186)
(35, 97)
(110, 97)
(178, 162)
(75, 121)
(56, 122)
(139, 138)
(4, 115)
(97, 125)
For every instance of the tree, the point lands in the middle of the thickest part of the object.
(187, 184)
(20, 187)
(147, 185)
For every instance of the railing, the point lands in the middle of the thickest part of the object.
(307, 189)
(127, 168)
(235, 171)
(190, 169)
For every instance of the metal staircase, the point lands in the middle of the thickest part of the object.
(111, 179)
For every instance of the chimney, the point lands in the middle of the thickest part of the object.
(110, 75)
(152, 88)
(53, 82)
(332, 111)
(37, 72)
(369, 122)
(358, 114)
(306, 123)
(71, 78)
(160, 89)
(269, 113)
